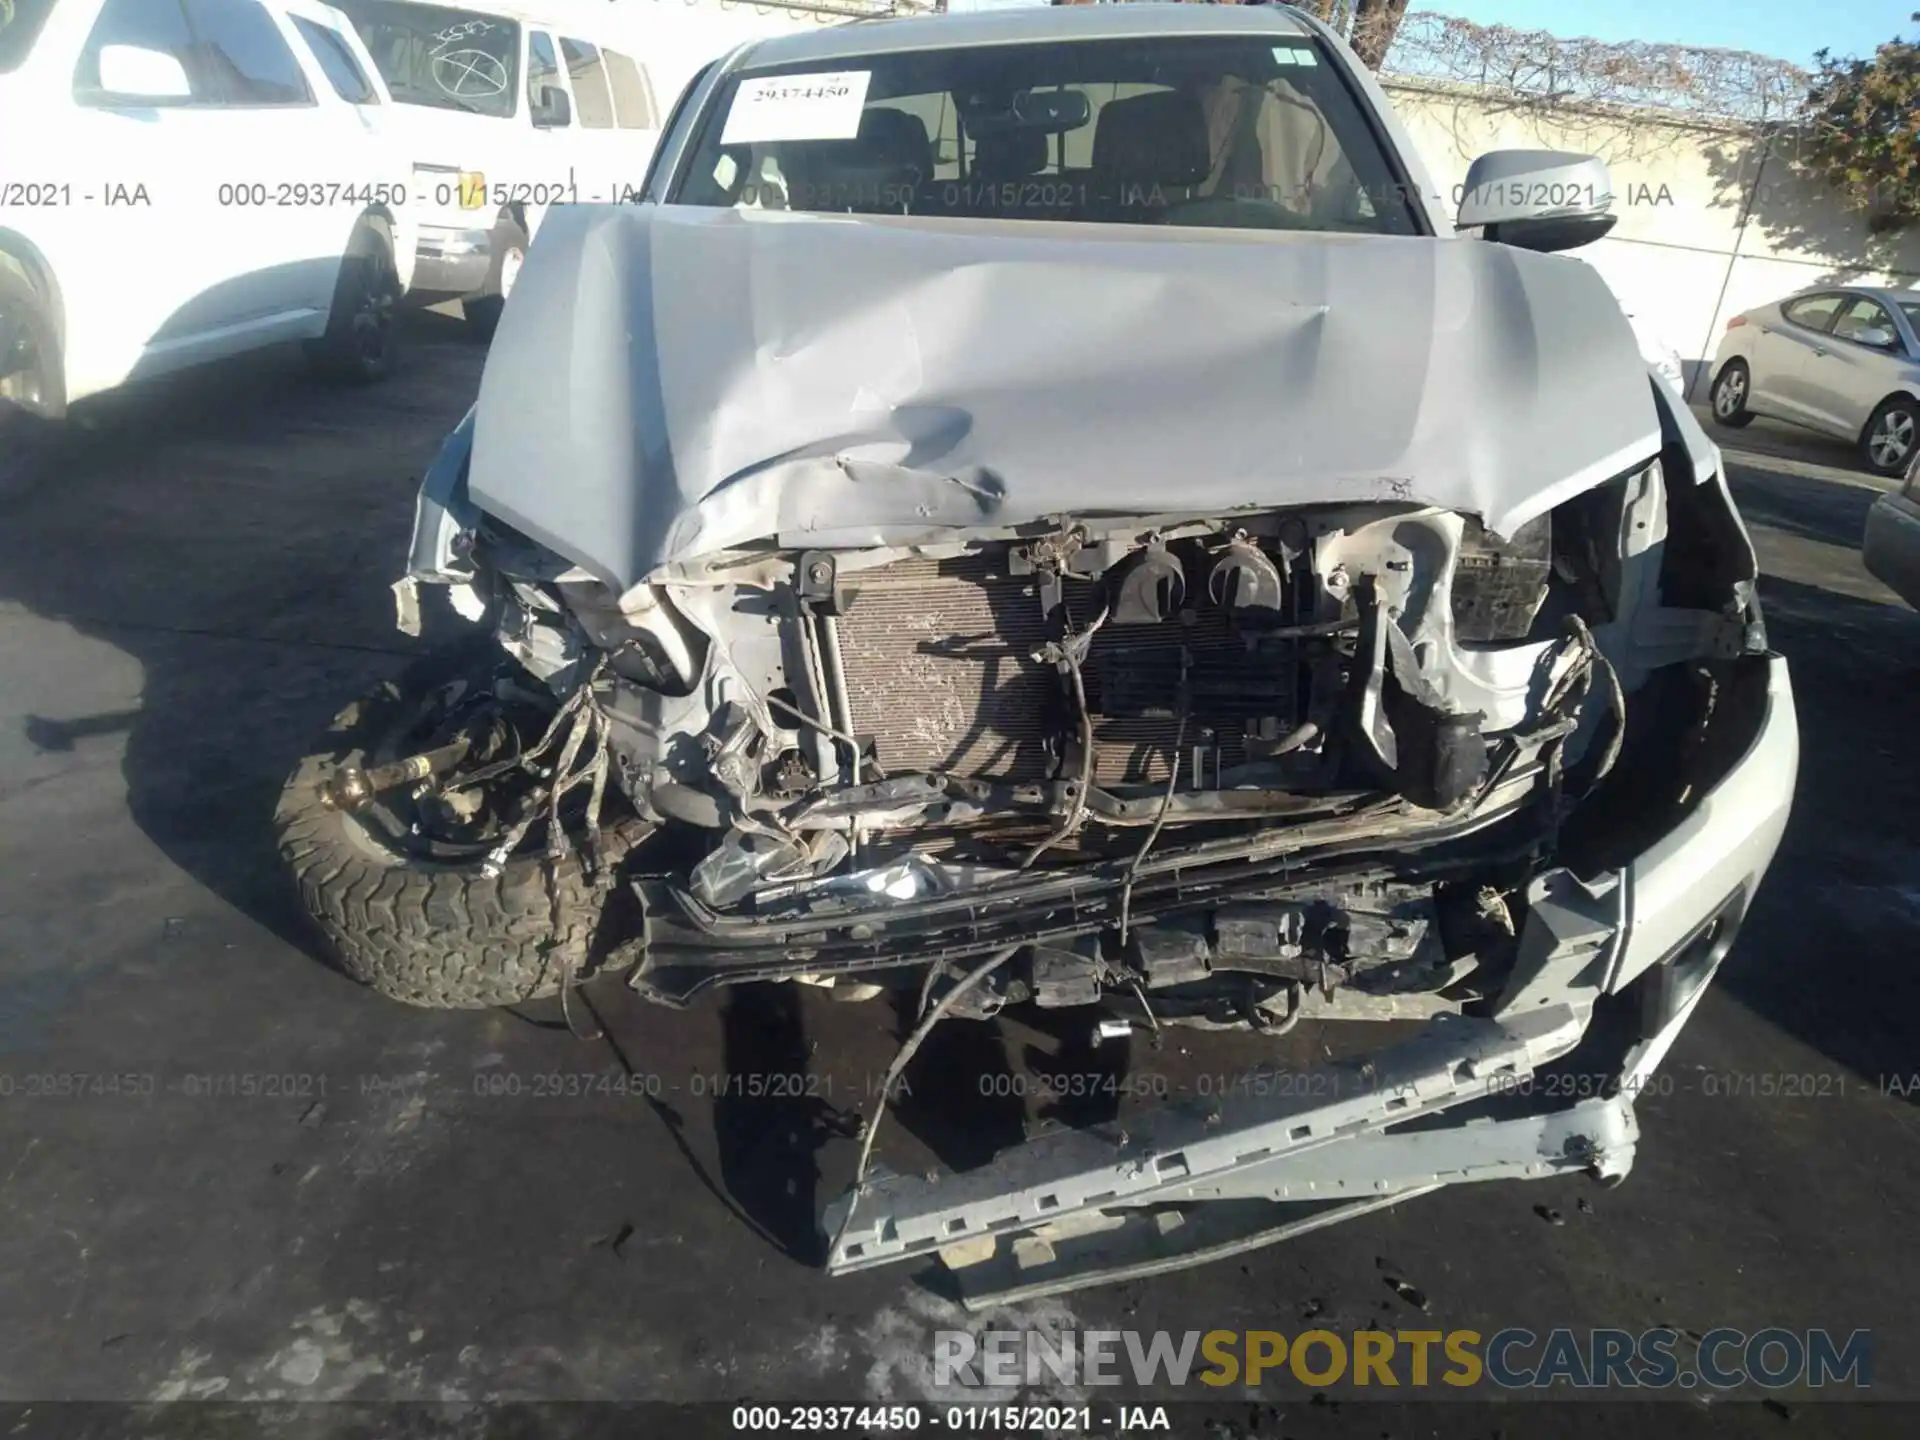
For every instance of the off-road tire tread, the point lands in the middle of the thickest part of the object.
(441, 936)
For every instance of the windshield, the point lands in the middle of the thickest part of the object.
(20, 22)
(1911, 309)
(436, 55)
(1237, 131)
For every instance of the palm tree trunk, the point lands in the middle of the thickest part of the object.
(1375, 22)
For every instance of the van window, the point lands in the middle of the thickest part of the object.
(20, 24)
(336, 62)
(150, 24)
(632, 98)
(543, 67)
(590, 94)
(246, 54)
(441, 56)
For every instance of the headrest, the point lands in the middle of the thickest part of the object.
(893, 137)
(1157, 139)
(1010, 154)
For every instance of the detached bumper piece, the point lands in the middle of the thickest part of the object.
(1196, 1182)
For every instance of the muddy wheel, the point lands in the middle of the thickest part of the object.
(396, 885)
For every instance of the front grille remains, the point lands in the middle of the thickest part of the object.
(937, 656)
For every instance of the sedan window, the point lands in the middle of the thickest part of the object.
(1860, 319)
(1816, 312)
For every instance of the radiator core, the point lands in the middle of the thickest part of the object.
(937, 656)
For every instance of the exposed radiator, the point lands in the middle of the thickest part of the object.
(937, 658)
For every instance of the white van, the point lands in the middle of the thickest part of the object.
(182, 180)
(509, 113)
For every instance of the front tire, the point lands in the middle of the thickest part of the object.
(359, 346)
(1731, 387)
(32, 383)
(436, 932)
(1889, 441)
(483, 311)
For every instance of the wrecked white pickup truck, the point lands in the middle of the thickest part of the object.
(1043, 508)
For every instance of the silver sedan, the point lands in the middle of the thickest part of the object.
(1892, 543)
(1843, 359)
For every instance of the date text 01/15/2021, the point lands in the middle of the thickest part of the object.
(963, 1419)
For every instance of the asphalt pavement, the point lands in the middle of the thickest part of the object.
(227, 1173)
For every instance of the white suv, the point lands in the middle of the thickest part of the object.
(203, 177)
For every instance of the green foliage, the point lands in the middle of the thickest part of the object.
(1862, 131)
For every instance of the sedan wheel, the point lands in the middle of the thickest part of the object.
(1730, 395)
(1890, 437)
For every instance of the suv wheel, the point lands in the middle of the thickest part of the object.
(359, 342)
(32, 381)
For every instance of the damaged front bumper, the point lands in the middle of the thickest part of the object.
(1610, 967)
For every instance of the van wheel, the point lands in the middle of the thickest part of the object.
(1888, 443)
(32, 382)
(359, 343)
(1730, 389)
(509, 254)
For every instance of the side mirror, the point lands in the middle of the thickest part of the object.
(133, 72)
(553, 111)
(1879, 337)
(1538, 199)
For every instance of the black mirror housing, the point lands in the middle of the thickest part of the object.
(553, 110)
(1552, 232)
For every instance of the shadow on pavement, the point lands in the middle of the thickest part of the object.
(1832, 512)
(234, 531)
(1827, 952)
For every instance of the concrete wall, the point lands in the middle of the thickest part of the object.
(1711, 223)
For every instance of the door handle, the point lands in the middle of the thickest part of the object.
(1819, 352)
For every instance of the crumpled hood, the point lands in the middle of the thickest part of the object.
(671, 382)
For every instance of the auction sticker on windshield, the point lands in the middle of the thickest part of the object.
(797, 107)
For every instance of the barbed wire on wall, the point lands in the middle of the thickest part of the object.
(1722, 86)
(1535, 67)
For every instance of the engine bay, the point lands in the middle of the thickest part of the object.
(1125, 741)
